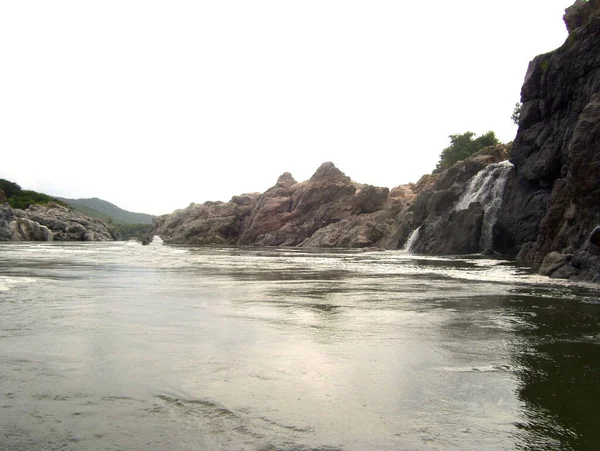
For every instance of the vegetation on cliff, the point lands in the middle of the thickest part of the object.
(462, 146)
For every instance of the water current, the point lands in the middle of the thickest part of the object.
(119, 346)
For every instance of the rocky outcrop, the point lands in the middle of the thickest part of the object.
(24, 229)
(15, 228)
(452, 209)
(207, 223)
(551, 201)
(328, 210)
(581, 13)
(372, 225)
(288, 215)
(66, 224)
(50, 222)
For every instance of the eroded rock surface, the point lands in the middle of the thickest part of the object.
(551, 201)
(328, 210)
(51, 222)
(66, 224)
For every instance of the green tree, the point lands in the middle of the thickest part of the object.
(463, 146)
(516, 115)
(10, 188)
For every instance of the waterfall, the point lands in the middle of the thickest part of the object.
(487, 188)
(410, 241)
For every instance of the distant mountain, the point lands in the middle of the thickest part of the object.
(105, 210)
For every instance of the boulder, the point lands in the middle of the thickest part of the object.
(24, 229)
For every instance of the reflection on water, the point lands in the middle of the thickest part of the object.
(119, 346)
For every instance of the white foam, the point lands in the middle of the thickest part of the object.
(7, 283)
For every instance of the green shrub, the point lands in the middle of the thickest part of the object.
(463, 146)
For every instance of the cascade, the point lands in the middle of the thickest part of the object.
(410, 241)
(487, 188)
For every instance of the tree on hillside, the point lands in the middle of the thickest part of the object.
(463, 146)
(10, 188)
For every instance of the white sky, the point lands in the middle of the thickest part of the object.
(153, 105)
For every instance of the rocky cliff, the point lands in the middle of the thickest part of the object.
(329, 210)
(51, 222)
(550, 206)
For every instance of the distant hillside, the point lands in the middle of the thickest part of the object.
(105, 210)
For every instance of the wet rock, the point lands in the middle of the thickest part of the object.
(554, 261)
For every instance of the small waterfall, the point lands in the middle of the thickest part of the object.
(410, 241)
(487, 188)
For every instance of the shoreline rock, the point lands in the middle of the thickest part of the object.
(51, 222)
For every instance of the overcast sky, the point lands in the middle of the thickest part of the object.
(153, 105)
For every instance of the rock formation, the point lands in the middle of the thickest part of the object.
(208, 223)
(328, 210)
(551, 202)
(50, 222)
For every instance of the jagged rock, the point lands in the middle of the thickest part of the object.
(551, 201)
(288, 216)
(328, 172)
(580, 13)
(286, 180)
(346, 213)
(64, 224)
(208, 223)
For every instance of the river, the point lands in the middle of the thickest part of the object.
(117, 346)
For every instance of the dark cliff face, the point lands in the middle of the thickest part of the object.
(552, 200)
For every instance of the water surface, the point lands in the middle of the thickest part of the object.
(119, 346)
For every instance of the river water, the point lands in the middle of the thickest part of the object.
(120, 346)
